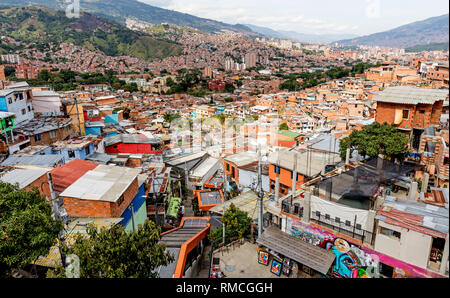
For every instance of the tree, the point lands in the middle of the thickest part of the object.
(9, 71)
(229, 87)
(375, 139)
(114, 253)
(284, 126)
(291, 85)
(27, 229)
(237, 225)
(170, 117)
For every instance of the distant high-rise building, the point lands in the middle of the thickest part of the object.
(11, 58)
(229, 64)
(250, 60)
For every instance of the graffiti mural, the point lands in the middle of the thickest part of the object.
(352, 260)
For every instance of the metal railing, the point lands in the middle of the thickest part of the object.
(344, 227)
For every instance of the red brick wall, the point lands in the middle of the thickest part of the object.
(386, 113)
(42, 185)
(431, 116)
(91, 208)
(61, 134)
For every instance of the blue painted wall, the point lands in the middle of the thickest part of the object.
(93, 131)
(79, 154)
(3, 105)
(137, 202)
(114, 118)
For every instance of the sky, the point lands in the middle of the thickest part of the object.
(360, 17)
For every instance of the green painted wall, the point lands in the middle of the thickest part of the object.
(3, 124)
(140, 216)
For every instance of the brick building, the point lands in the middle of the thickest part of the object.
(105, 191)
(28, 179)
(410, 109)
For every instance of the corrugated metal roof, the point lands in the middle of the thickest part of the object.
(99, 157)
(300, 251)
(23, 177)
(48, 160)
(104, 183)
(242, 158)
(411, 95)
(204, 167)
(418, 216)
(130, 139)
(67, 174)
(246, 202)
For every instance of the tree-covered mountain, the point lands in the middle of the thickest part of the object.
(120, 10)
(432, 30)
(41, 25)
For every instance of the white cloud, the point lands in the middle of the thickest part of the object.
(318, 16)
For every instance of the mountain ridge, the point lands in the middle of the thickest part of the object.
(119, 10)
(41, 25)
(431, 30)
(297, 36)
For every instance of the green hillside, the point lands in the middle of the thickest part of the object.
(119, 10)
(43, 26)
(428, 47)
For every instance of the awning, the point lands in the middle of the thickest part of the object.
(298, 250)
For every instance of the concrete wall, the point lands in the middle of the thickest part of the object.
(412, 247)
(79, 154)
(16, 106)
(249, 179)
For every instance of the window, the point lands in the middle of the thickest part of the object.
(71, 154)
(348, 223)
(24, 111)
(88, 150)
(318, 214)
(337, 220)
(37, 138)
(53, 134)
(277, 170)
(10, 100)
(390, 233)
(228, 167)
(406, 114)
(422, 112)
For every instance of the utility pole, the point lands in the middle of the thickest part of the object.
(260, 195)
(223, 225)
(78, 117)
(132, 216)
